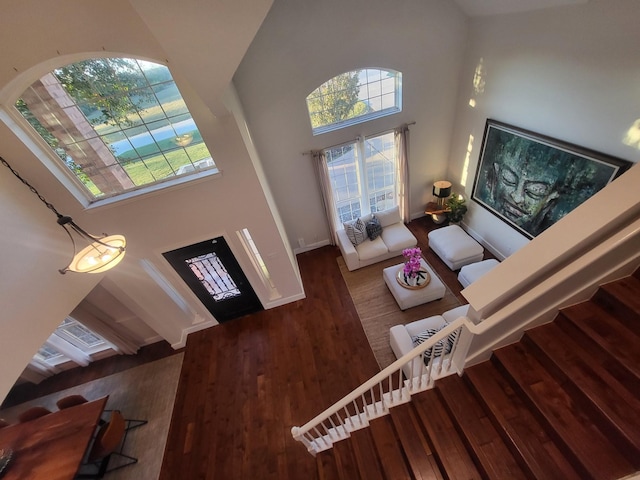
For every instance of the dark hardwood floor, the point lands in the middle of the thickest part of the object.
(245, 383)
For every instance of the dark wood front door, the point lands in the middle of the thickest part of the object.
(214, 275)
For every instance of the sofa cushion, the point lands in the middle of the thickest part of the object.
(356, 231)
(437, 349)
(371, 249)
(397, 237)
(374, 229)
(389, 217)
(443, 346)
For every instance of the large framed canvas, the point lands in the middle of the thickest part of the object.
(531, 181)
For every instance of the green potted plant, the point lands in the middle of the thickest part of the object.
(457, 208)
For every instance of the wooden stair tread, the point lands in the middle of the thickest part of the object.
(366, 456)
(607, 332)
(536, 449)
(481, 437)
(570, 363)
(447, 444)
(421, 459)
(564, 418)
(326, 463)
(626, 374)
(622, 297)
(389, 448)
(345, 461)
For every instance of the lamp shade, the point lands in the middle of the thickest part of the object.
(442, 189)
(99, 256)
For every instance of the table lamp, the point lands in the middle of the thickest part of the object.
(442, 191)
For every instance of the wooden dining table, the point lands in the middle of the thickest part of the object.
(51, 447)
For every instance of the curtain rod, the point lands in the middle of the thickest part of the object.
(310, 152)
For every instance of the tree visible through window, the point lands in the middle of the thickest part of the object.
(363, 176)
(118, 124)
(354, 97)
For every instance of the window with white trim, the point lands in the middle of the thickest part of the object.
(70, 341)
(354, 97)
(116, 124)
(363, 176)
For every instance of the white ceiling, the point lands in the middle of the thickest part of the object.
(495, 7)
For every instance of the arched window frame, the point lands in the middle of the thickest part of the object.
(379, 94)
(41, 149)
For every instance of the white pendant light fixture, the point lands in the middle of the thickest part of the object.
(101, 253)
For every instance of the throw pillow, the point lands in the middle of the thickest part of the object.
(374, 229)
(356, 231)
(442, 347)
(426, 335)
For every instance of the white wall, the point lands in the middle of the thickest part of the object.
(571, 73)
(34, 297)
(303, 43)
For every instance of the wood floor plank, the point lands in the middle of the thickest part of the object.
(622, 298)
(519, 426)
(448, 447)
(607, 332)
(364, 450)
(614, 407)
(420, 457)
(388, 446)
(480, 435)
(565, 419)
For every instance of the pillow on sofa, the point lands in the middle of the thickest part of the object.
(389, 216)
(441, 347)
(374, 229)
(356, 231)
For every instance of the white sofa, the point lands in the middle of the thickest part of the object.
(401, 336)
(394, 239)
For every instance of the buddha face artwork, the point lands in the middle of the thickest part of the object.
(532, 184)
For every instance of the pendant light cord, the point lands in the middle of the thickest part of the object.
(32, 188)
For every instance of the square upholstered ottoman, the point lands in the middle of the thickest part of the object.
(455, 247)
(409, 297)
(470, 273)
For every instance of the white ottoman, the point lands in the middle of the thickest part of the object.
(407, 297)
(470, 273)
(455, 247)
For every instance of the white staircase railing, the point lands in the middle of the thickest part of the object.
(387, 389)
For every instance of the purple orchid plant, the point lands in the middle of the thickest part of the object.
(412, 266)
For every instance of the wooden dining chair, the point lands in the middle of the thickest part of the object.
(33, 413)
(70, 401)
(109, 442)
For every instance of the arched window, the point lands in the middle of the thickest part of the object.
(354, 97)
(117, 124)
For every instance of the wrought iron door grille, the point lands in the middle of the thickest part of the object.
(210, 271)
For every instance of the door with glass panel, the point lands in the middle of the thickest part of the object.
(214, 275)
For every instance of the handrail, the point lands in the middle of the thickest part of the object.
(601, 250)
(354, 411)
(419, 381)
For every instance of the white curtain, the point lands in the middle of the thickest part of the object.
(99, 322)
(401, 135)
(322, 171)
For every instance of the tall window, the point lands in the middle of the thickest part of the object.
(363, 176)
(70, 341)
(354, 97)
(117, 124)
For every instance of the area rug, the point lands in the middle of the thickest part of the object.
(378, 310)
(145, 392)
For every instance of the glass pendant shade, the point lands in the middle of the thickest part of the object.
(99, 256)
